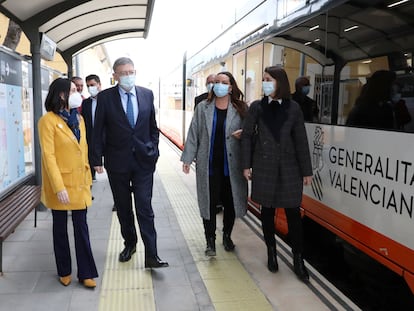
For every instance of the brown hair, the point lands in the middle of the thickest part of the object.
(282, 85)
(236, 96)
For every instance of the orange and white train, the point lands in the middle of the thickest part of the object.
(363, 186)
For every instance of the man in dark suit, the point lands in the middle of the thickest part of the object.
(209, 86)
(88, 112)
(308, 105)
(126, 134)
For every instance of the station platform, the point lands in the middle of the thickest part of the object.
(236, 280)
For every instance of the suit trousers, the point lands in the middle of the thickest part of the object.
(84, 258)
(294, 226)
(139, 183)
(220, 192)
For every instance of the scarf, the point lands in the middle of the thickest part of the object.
(72, 120)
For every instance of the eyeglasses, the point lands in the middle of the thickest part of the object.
(126, 73)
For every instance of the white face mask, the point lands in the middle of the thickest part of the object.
(93, 90)
(127, 82)
(75, 100)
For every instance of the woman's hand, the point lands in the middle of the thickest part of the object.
(63, 197)
(247, 173)
(186, 168)
(237, 134)
(307, 180)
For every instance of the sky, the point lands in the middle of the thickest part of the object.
(176, 26)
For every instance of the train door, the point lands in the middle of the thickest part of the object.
(239, 68)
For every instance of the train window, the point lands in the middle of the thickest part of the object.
(254, 72)
(353, 76)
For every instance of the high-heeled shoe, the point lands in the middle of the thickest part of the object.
(65, 280)
(89, 283)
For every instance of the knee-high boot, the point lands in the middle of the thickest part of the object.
(299, 267)
(272, 264)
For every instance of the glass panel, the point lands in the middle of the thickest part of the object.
(254, 73)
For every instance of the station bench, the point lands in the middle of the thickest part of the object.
(14, 209)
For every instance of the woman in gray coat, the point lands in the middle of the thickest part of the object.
(213, 142)
(275, 156)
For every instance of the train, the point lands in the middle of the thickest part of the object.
(362, 190)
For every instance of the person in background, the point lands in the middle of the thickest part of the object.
(79, 84)
(276, 158)
(373, 108)
(66, 179)
(126, 135)
(88, 112)
(79, 87)
(209, 87)
(401, 113)
(213, 141)
(307, 104)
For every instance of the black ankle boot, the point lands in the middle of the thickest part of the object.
(299, 267)
(272, 264)
(211, 247)
(227, 242)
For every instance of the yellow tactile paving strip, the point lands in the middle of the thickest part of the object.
(125, 286)
(229, 285)
(128, 286)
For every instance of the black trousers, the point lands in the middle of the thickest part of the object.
(294, 225)
(84, 258)
(139, 183)
(220, 192)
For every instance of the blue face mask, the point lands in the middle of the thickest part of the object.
(221, 89)
(305, 89)
(127, 82)
(268, 87)
(209, 87)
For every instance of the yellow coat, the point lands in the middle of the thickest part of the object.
(65, 164)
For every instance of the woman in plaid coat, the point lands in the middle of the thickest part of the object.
(275, 156)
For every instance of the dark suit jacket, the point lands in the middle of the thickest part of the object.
(87, 116)
(198, 99)
(117, 141)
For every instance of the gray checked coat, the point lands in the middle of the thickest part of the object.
(197, 148)
(278, 168)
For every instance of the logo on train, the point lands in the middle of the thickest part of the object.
(317, 162)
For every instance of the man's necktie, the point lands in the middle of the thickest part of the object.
(130, 111)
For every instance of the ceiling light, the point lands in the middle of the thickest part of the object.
(396, 3)
(314, 27)
(308, 43)
(351, 28)
(367, 61)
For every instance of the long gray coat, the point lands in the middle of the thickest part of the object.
(277, 168)
(197, 148)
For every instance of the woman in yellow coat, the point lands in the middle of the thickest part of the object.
(66, 179)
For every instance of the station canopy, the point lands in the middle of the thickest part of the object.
(78, 24)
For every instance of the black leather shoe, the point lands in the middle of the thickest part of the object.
(126, 253)
(155, 262)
